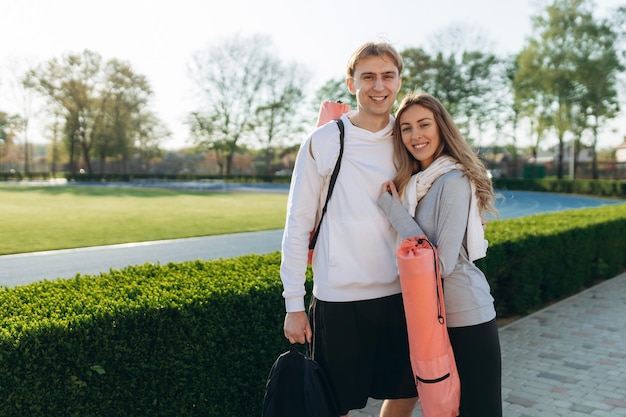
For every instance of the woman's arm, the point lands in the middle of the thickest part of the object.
(398, 216)
(451, 220)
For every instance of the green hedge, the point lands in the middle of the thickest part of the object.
(279, 179)
(600, 188)
(537, 259)
(198, 338)
(187, 339)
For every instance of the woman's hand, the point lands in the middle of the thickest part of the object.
(390, 187)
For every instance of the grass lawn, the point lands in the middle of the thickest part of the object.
(58, 217)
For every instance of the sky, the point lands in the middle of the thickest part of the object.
(159, 37)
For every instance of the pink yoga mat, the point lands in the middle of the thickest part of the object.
(331, 110)
(432, 358)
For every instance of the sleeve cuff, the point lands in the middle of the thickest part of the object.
(294, 304)
(384, 202)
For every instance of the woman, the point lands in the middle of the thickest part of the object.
(441, 191)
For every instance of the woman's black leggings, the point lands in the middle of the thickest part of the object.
(479, 362)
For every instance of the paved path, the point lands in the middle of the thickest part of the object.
(567, 360)
(25, 268)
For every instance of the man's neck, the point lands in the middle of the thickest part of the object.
(372, 123)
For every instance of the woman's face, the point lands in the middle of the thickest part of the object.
(420, 133)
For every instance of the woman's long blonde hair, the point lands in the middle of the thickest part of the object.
(452, 143)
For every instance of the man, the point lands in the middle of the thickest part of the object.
(356, 326)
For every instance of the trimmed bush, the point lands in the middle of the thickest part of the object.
(599, 188)
(186, 339)
(199, 338)
(537, 259)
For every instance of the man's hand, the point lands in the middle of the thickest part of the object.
(297, 328)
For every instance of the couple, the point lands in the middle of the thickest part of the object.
(414, 172)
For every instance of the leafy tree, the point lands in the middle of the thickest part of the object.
(126, 96)
(462, 74)
(23, 100)
(419, 72)
(528, 98)
(54, 133)
(447, 84)
(278, 118)
(481, 104)
(4, 133)
(511, 68)
(3, 126)
(150, 133)
(10, 126)
(101, 104)
(598, 69)
(333, 90)
(243, 95)
(203, 127)
(559, 65)
(73, 84)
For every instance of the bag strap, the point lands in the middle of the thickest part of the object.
(331, 185)
(440, 315)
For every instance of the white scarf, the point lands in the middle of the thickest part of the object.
(419, 185)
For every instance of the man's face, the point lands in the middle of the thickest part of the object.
(376, 84)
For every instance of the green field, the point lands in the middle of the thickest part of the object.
(37, 218)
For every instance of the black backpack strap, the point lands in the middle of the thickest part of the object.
(331, 184)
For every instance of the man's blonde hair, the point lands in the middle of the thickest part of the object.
(380, 49)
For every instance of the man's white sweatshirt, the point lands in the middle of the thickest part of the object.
(354, 258)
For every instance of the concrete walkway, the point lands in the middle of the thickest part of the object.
(567, 360)
(24, 268)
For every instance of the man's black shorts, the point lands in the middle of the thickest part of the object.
(363, 348)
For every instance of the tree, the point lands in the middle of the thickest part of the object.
(528, 97)
(4, 134)
(552, 63)
(4, 122)
(333, 90)
(126, 96)
(462, 73)
(278, 116)
(10, 125)
(101, 105)
(23, 101)
(150, 132)
(236, 83)
(511, 68)
(481, 103)
(55, 133)
(598, 69)
(419, 72)
(73, 84)
(202, 128)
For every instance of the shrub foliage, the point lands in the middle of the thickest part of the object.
(198, 338)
